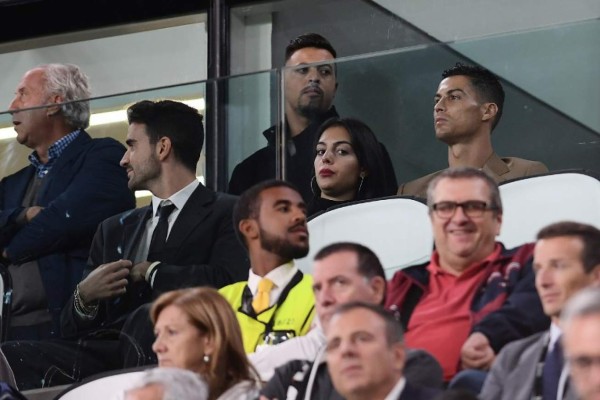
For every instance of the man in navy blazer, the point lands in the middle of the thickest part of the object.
(126, 270)
(366, 355)
(50, 209)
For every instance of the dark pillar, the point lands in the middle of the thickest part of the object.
(216, 94)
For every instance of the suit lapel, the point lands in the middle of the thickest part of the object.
(134, 225)
(19, 187)
(495, 167)
(525, 374)
(193, 213)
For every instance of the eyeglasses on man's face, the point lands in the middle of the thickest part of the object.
(471, 208)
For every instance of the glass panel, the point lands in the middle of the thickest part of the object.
(250, 109)
(260, 32)
(117, 59)
(108, 119)
(393, 93)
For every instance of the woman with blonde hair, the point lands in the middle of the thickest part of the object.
(196, 329)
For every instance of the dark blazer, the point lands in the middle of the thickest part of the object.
(411, 392)
(202, 249)
(84, 186)
(513, 373)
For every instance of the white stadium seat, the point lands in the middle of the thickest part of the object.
(397, 229)
(534, 202)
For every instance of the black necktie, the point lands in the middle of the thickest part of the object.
(159, 236)
(553, 365)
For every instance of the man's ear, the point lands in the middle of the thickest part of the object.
(399, 353)
(163, 148)
(595, 274)
(249, 228)
(489, 111)
(378, 285)
(53, 109)
(499, 225)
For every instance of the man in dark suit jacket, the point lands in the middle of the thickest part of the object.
(309, 94)
(366, 356)
(50, 209)
(127, 267)
(566, 260)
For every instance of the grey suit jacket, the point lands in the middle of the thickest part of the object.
(513, 373)
(500, 169)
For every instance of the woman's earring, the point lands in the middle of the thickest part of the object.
(206, 358)
(362, 179)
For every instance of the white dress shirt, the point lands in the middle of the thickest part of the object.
(179, 199)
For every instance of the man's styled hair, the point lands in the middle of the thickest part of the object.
(466, 173)
(181, 123)
(369, 265)
(178, 384)
(69, 82)
(588, 234)
(393, 329)
(308, 40)
(486, 84)
(248, 205)
(585, 303)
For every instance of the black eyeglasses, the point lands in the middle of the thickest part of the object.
(472, 208)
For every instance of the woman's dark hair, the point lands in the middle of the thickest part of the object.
(369, 153)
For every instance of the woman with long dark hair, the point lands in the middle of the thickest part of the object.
(349, 165)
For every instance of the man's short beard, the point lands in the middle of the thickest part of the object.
(311, 111)
(281, 247)
(148, 172)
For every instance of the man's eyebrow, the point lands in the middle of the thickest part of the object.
(315, 64)
(455, 90)
(282, 202)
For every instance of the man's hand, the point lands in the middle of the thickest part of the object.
(138, 272)
(105, 282)
(477, 353)
(32, 212)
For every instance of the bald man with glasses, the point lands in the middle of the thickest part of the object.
(474, 296)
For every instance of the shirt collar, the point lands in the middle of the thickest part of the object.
(280, 276)
(396, 390)
(555, 333)
(435, 268)
(54, 152)
(178, 199)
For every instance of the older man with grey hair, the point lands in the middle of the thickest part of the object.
(168, 384)
(581, 342)
(50, 209)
